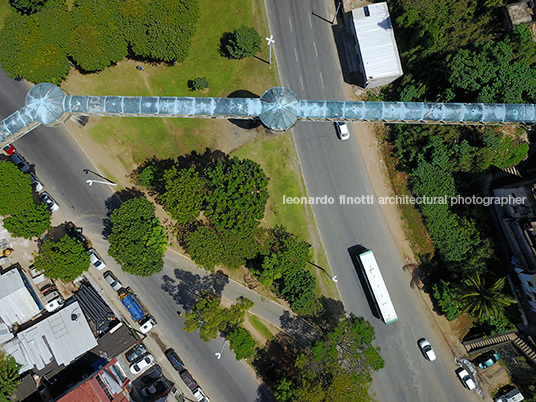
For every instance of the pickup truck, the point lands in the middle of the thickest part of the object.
(194, 386)
(137, 310)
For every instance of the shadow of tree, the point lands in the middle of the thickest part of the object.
(299, 329)
(185, 287)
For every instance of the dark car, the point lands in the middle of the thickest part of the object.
(189, 380)
(75, 232)
(136, 352)
(152, 375)
(174, 359)
(153, 389)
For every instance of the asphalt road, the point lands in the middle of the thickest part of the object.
(309, 64)
(59, 162)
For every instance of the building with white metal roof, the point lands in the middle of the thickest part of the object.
(376, 45)
(60, 338)
(16, 303)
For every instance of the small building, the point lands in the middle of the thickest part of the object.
(108, 384)
(375, 44)
(17, 305)
(57, 340)
(518, 13)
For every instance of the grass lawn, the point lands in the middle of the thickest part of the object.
(5, 10)
(260, 327)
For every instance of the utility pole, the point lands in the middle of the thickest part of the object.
(270, 41)
(337, 11)
(90, 182)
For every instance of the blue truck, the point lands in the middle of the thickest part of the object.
(137, 310)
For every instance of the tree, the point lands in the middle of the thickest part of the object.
(22, 217)
(241, 343)
(98, 38)
(27, 6)
(341, 364)
(33, 46)
(164, 30)
(32, 222)
(9, 376)
(205, 247)
(299, 289)
(210, 318)
(238, 195)
(137, 239)
(184, 195)
(486, 302)
(65, 259)
(198, 84)
(243, 42)
(446, 298)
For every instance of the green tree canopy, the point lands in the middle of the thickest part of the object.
(238, 195)
(22, 216)
(210, 318)
(162, 30)
(242, 343)
(27, 6)
(243, 42)
(33, 46)
(9, 376)
(205, 247)
(484, 301)
(65, 259)
(493, 72)
(342, 364)
(184, 195)
(98, 38)
(137, 239)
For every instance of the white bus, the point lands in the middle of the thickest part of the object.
(377, 287)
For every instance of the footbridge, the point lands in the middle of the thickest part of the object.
(278, 109)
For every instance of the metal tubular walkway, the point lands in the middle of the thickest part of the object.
(278, 109)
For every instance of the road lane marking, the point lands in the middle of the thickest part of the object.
(316, 52)
(310, 22)
(301, 82)
(322, 79)
(296, 54)
(290, 23)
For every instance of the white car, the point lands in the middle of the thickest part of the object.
(96, 260)
(36, 184)
(112, 281)
(466, 379)
(342, 130)
(54, 305)
(427, 349)
(51, 204)
(141, 364)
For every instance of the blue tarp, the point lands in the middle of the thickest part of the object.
(132, 305)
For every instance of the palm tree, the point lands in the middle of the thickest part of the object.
(484, 302)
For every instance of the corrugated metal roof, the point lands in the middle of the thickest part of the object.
(377, 42)
(64, 336)
(16, 303)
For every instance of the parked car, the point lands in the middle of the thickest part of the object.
(152, 374)
(426, 349)
(20, 162)
(96, 259)
(36, 184)
(51, 204)
(188, 380)
(174, 359)
(466, 379)
(136, 352)
(54, 304)
(200, 395)
(9, 149)
(488, 360)
(155, 388)
(112, 281)
(142, 364)
(342, 130)
(75, 232)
